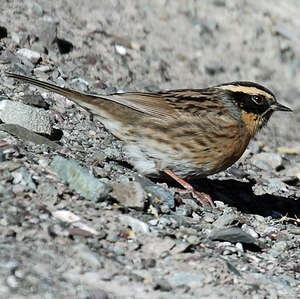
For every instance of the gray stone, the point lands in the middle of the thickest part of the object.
(233, 235)
(129, 194)
(78, 178)
(267, 161)
(136, 225)
(23, 177)
(31, 118)
(225, 220)
(27, 135)
(33, 56)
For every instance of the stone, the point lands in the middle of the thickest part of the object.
(27, 135)
(79, 179)
(267, 161)
(136, 225)
(33, 56)
(31, 118)
(129, 194)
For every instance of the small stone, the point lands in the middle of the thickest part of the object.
(27, 135)
(31, 118)
(129, 194)
(23, 177)
(85, 229)
(157, 246)
(12, 282)
(233, 235)
(35, 100)
(65, 216)
(249, 230)
(225, 220)
(136, 225)
(32, 56)
(78, 178)
(267, 161)
(162, 285)
(121, 50)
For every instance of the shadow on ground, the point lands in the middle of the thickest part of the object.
(240, 195)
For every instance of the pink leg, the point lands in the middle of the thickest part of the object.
(200, 196)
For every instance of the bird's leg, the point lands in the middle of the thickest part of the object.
(200, 196)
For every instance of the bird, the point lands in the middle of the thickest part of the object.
(184, 133)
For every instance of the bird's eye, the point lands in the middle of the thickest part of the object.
(257, 99)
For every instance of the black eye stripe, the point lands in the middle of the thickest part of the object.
(249, 103)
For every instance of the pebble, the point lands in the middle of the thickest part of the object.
(12, 282)
(121, 50)
(65, 216)
(23, 177)
(136, 225)
(233, 235)
(30, 118)
(79, 179)
(156, 246)
(267, 161)
(33, 56)
(129, 194)
(27, 135)
(249, 230)
(35, 100)
(225, 220)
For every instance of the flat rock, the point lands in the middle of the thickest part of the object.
(27, 135)
(33, 56)
(79, 179)
(129, 194)
(267, 161)
(31, 118)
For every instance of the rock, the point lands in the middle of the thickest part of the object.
(249, 230)
(157, 246)
(32, 56)
(158, 194)
(35, 100)
(233, 235)
(267, 161)
(129, 194)
(136, 225)
(162, 285)
(31, 118)
(65, 216)
(23, 177)
(78, 178)
(27, 135)
(225, 220)
(121, 50)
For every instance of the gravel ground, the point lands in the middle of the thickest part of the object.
(77, 221)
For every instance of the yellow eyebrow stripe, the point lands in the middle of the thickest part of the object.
(246, 89)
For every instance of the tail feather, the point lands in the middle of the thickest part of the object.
(87, 101)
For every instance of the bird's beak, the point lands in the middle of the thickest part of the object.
(279, 107)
